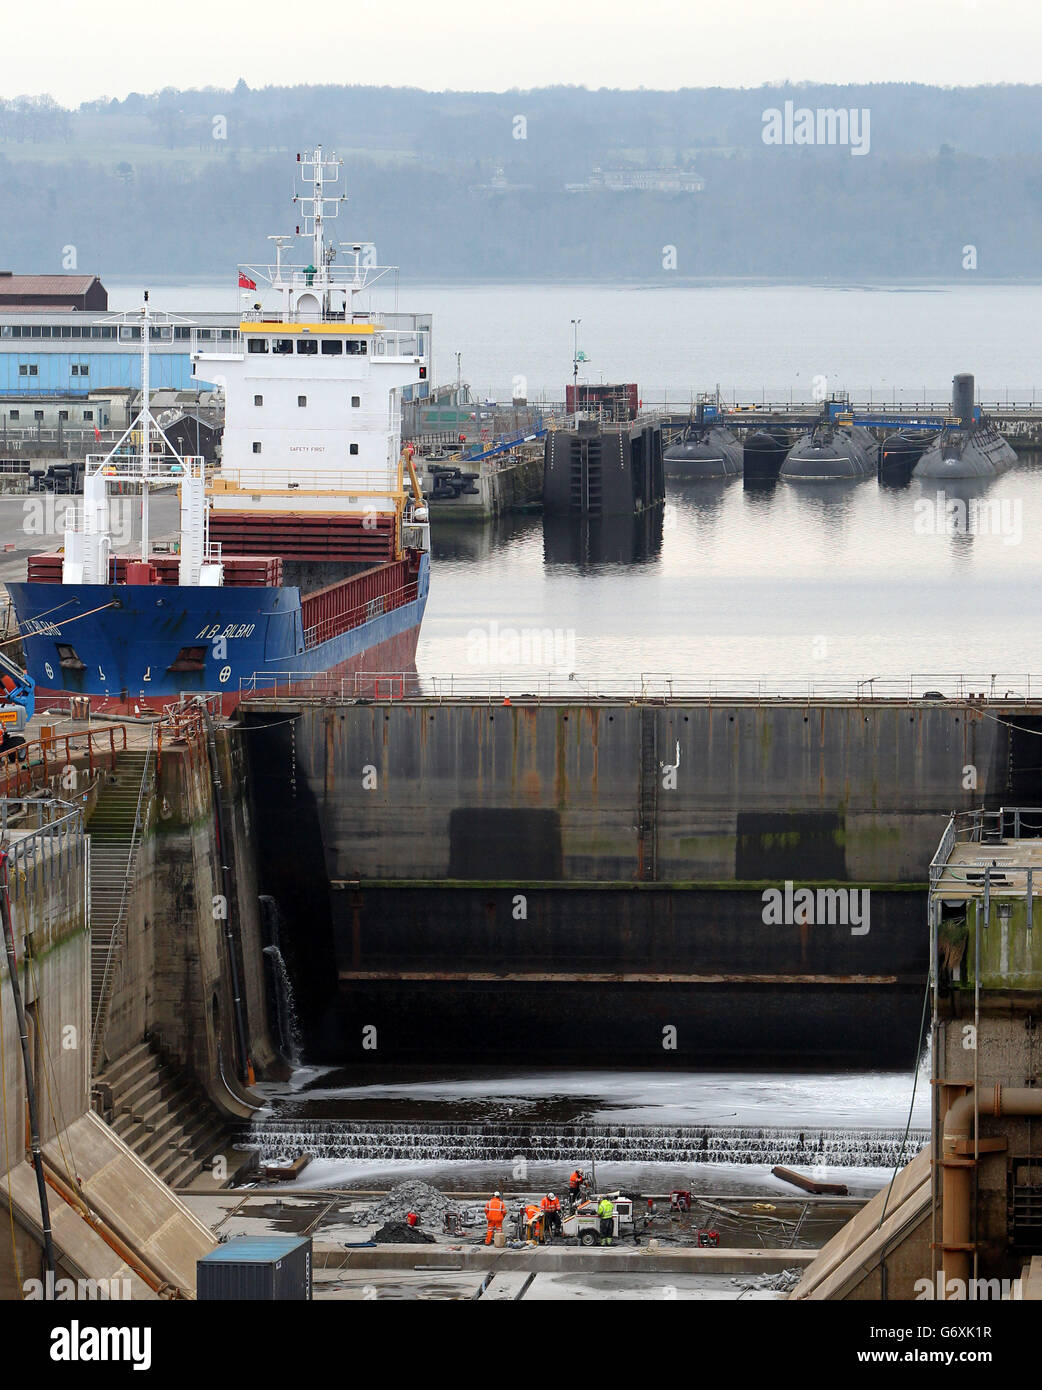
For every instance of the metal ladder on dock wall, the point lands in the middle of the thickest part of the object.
(115, 830)
(647, 811)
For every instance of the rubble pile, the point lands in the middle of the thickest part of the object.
(782, 1282)
(426, 1201)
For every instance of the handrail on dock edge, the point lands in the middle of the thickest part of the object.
(34, 762)
(532, 686)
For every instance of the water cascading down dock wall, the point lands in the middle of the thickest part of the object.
(608, 879)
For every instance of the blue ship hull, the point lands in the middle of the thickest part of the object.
(125, 638)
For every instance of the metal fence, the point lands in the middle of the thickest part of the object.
(1008, 823)
(536, 685)
(46, 842)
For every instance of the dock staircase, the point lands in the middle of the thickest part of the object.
(161, 1112)
(114, 827)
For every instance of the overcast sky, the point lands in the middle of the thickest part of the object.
(77, 50)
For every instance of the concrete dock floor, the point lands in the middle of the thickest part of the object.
(349, 1266)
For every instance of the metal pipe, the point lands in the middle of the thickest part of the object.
(30, 1086)
(957, 1170)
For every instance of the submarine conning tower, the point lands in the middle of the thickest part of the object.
(962, 398)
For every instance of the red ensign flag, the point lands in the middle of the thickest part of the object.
(245, 283)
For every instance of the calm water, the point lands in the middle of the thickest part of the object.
(819, 582)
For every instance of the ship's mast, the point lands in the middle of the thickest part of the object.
(146, 422)
(316, 207)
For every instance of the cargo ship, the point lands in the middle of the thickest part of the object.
(305, 553)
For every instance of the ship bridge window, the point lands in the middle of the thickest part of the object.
(282, 344)
(256, 446)
(189, 659)
(352, 449)
(356, 348)
(258, 344)
(332, 347)
(356, 401)
(302, 400)
(258, 400)
(68, 659)
(307, 347)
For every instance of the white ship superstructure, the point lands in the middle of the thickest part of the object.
(312, 385)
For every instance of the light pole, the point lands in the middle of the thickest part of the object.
(459, 370)
(575, 369)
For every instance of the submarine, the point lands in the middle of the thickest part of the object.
(705, 450)
(831, 452)
(971, 448)
(899, 453)
(764, 454)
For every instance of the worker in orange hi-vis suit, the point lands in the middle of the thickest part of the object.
(551, 1209)
(534, 1223)
(495, 1211)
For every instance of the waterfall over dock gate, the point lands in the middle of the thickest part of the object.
(369, 1140)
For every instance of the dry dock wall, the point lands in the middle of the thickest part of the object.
(519, 875)
(174, 983)
(850, 792)
(47, 874)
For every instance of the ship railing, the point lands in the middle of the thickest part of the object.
(304, 276)
(532, 684)
(358, 614)
(394, 322)
(349, 482)
(160, 467)
(41, 759)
